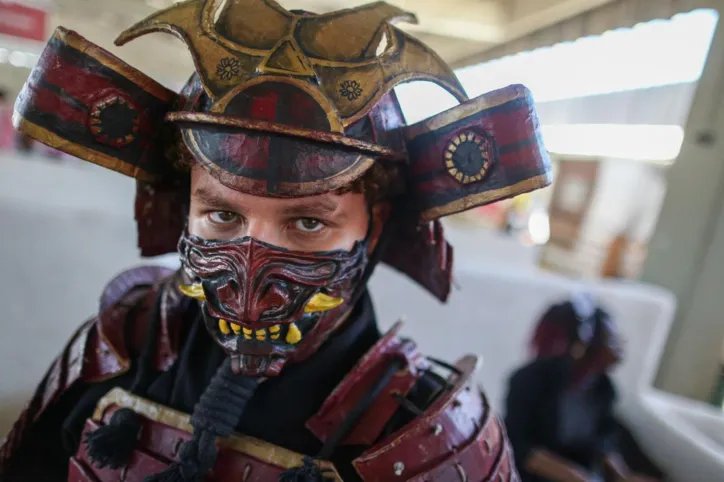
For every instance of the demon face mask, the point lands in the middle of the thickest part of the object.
(266, 305)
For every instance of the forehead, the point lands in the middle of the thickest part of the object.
(207, 189)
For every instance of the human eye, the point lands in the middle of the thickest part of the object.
(308, 225)
(223, 217)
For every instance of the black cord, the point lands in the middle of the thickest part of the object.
(445, 364)
(408, 405)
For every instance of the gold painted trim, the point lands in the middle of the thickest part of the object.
(53, 140)
(342, 178)
(308, 69)
(143, 81)
(385, 88)
(454, 169)
(467, 109)
(266, 127)
(207, 25)
(474, 200)
(208, 28)
(263, 451)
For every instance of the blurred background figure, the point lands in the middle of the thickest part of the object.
(560, 405)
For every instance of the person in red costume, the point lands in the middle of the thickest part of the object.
(560, 405)
(283, 172)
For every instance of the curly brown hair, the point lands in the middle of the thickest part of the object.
(381, 182)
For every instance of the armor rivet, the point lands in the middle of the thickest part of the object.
(437, 429)
(398, 468)
(247, 473)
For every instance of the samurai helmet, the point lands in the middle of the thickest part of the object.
(285, 104)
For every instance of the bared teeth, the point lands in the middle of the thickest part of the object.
(224, 327)
(294, 336)
(274, 332)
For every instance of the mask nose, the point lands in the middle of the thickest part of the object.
(231, 297)
(276, 297)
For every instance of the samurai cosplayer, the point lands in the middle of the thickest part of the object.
(560, 416)
(282, 173)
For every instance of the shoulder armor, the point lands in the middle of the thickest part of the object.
(98, 349)
(123, 284)
(457, 438)
(134, 289)
(95, 352)
(357, 384)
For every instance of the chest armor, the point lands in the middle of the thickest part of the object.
(456, 439)
(164, 430)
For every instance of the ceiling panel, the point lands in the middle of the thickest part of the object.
(456, 29)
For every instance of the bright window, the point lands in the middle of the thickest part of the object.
(655, 53)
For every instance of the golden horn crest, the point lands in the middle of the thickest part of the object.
(322, 302)
(195, 290)
(232, 41)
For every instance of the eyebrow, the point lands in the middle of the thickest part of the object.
(316, 208)
(213, 200)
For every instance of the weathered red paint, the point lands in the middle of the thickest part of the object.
(357, 384)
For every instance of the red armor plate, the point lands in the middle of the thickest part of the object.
(357, 383)
(457, 434)
(164, 430)
(97, 351)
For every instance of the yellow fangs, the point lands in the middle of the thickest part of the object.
(224, 327)
(322, 302)
(294, 336)
(195, 291)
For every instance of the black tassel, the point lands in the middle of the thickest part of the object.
(112, 445)
(173, 474)
(189, 468)
(308, 472)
